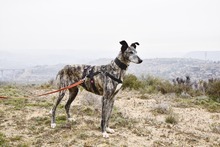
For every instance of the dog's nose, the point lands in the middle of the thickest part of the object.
(140, 61)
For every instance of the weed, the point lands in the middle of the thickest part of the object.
(119, 120)
(209, 104)
(61, 119)
(184, 103)
(171, 118)
(144, 96)
(41, 120)
(141, 131)
(162, 109)
(15, 138)
(88, 111)
(83, 136)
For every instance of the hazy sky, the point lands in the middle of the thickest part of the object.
(93, 28)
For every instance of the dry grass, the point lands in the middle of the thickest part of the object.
(139, 119)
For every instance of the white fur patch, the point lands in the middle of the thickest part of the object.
(51, 111)
(118, 87)
(105, 135)
(109, 130)
(53, 125)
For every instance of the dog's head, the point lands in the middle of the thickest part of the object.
(129, 52)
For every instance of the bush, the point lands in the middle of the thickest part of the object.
(132, 82)
(150, 84)
(155, 84)
(213, 90)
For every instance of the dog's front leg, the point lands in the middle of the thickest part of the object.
(107, 104)
(111, 104)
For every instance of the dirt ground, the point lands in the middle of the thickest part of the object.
(149, 120)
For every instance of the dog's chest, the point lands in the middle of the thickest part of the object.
(118, 87)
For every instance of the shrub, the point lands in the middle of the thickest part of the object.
(150, 84)
(132, 82)
(166, 87)
(213, 90)
(171, 118)
(162, 108)
(155, 84)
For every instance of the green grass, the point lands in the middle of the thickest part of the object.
(41, 120)
(83, 136)
(61, 119)
(207, 103)
(4, 142)
(11, 91)
(40, 104)
(17, 103)
(88, 111)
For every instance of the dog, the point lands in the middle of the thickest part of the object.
(104, 80)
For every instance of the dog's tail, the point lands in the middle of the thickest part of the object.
(60, 79)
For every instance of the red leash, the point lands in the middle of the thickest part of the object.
(65, 88)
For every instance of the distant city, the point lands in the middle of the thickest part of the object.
(197, 65)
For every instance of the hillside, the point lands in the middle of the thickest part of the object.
(143, 120)
(204, 55)
(167, 68)
(177, 67)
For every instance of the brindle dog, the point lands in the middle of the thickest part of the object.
(105, 80)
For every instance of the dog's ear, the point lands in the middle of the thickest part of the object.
(124, 46)
(134, 44)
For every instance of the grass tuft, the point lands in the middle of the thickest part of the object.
(171, 119)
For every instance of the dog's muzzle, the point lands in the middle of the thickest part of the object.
(139, 61)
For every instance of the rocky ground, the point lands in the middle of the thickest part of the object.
(138, 119)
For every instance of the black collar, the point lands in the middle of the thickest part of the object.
(120, 64)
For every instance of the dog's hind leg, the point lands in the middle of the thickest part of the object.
(72, 95)
(60, 97)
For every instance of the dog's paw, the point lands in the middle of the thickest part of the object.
(109, 130)
(71, 119)
(105, 135)
(53, 125)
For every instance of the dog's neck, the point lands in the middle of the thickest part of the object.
(121, 62)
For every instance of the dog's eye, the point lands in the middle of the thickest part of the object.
(131, 52)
